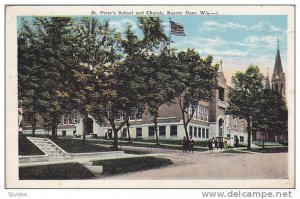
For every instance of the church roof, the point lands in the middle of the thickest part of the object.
(278, 65)
(267, 82)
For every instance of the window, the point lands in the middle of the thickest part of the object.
(207, 132)
(206, 113)
(199, 112)
(190, 131)
(202, 113)
(190, 110)
(124, 133)
(151, 131)
(119, 117)
(64, 133)
(195, 131)
(221, 94)
(241, 138)
(133, 116)
(235, 122)
(139, 132)
(173, 130)
(242, 125)
(59, 120)
(227, 120)
(203, 132)
(75, 118)
(162, 131)
(64, 120)
(139, 115)
(74, 132)
(70, 119)
(199, 132)
(195, 113)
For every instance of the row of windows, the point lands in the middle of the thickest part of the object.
(68, 119)
(235, 120)
(201, 113)
(135, 115)
(151, 131)
(198, 132)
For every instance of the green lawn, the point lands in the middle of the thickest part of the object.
(271, 150)
(151, 144)
(77, 146)
(231, 151)
(125, 165)
(26, 147)
(55, 172)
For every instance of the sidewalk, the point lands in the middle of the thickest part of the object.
(88, 159)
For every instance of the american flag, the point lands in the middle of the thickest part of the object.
(177, 29)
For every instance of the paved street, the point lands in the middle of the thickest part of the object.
(202, 165)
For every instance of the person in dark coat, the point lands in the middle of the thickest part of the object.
(184, 145)
(216, 144)
(191, 145)
(210, 146)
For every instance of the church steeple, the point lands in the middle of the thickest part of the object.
(267, 80)
(278, 77)
(278, 66)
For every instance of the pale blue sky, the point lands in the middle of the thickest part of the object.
(238, 40)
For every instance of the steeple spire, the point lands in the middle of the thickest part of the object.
(267, 80)
(278, 66)
(278, 76)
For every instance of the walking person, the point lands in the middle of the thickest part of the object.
(184, 145)
(191, 145)
(216, 144)
(210, 146)
(225, 143)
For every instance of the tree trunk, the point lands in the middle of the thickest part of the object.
(129, 137)
(155, 128)
(186, 130)
(33, 124)
(185, 124)
(54, 125)
(249, 134)
(115, 143)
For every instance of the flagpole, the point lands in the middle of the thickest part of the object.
(170, 36)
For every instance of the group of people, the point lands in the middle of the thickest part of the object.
(218, 143)
(187, 145)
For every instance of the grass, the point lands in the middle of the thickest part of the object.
(26, 147)
(55, 172)
(126, 165)
(77, 146)
(271, 150)
(231, 151)
(175, 142)
(175, 145)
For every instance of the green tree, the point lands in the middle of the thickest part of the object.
(244, 96)
(95, 50)
(199, 78)
(32, 95)
(57, 59)
(273, 115)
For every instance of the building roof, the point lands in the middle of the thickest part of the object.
(278, 66)
(267, 82)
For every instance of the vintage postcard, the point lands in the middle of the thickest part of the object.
(138, 96)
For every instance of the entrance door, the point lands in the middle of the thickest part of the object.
(89, 126)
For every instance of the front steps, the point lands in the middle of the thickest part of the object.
(54, 152)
